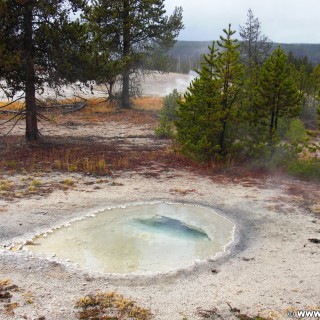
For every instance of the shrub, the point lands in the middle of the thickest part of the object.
(167, 115)
(306, 169)
(293, 131)
(110, 305)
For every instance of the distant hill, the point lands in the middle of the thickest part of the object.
(301, 50)
(189, 53)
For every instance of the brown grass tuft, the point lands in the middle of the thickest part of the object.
(110, 305)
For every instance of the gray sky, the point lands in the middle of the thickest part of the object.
(288, 21)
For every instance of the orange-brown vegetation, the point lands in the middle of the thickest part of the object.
(148, 103)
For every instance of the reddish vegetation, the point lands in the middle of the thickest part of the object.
(76, 152)
(106, 156)
(86, 154)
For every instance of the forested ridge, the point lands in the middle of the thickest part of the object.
(188, 54)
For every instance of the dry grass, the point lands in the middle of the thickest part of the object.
(83, 155)
(28, 186)
(28, 297)
(182, 191)
(315, 209)
(69, 161)
(100, 111)
(6, 290)
(148, 103)
(4, 283)
(74, 156)
(5, 186)
(68, 182)
(14, 106)
(110, 305)
(99, 105)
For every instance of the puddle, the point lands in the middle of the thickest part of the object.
(140, 239)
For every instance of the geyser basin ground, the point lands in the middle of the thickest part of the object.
(140, 239)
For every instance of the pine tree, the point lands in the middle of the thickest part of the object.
(132, 30)
(230, 72)
(318, 109)
(168, 115)
(255, 46)
(211, 110)
(39, 44)
(277, 95)
(315, 83)
(198, 117)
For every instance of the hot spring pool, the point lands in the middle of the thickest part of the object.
(140, 239)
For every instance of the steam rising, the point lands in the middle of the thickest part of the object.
(163, 84)
(154, 84)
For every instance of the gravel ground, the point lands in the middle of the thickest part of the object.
(271, 266)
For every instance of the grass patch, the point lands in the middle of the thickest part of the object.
(99, 105)
(68, 182)
(148, 103)
(28, 186)
(31, 189)
(71, 163)
(35, 183)
(111, 306)
(47, 157)
(83, 156)
(5, 185)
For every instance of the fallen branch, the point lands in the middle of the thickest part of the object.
(81, 105)
(71, 107)
(8, 112)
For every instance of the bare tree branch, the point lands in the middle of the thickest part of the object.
(18, 113)
(21, 117)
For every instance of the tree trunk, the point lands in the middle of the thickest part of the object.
(222, 139)
(32, 132)
(225, 111)
(125, 99)
(271, 126)
(276, 116)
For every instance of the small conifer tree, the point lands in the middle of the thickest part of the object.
(206, 116)
(231, 74)
(277, 94)
(198, 116)
(167, 115)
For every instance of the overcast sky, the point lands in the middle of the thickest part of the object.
(288, 21)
